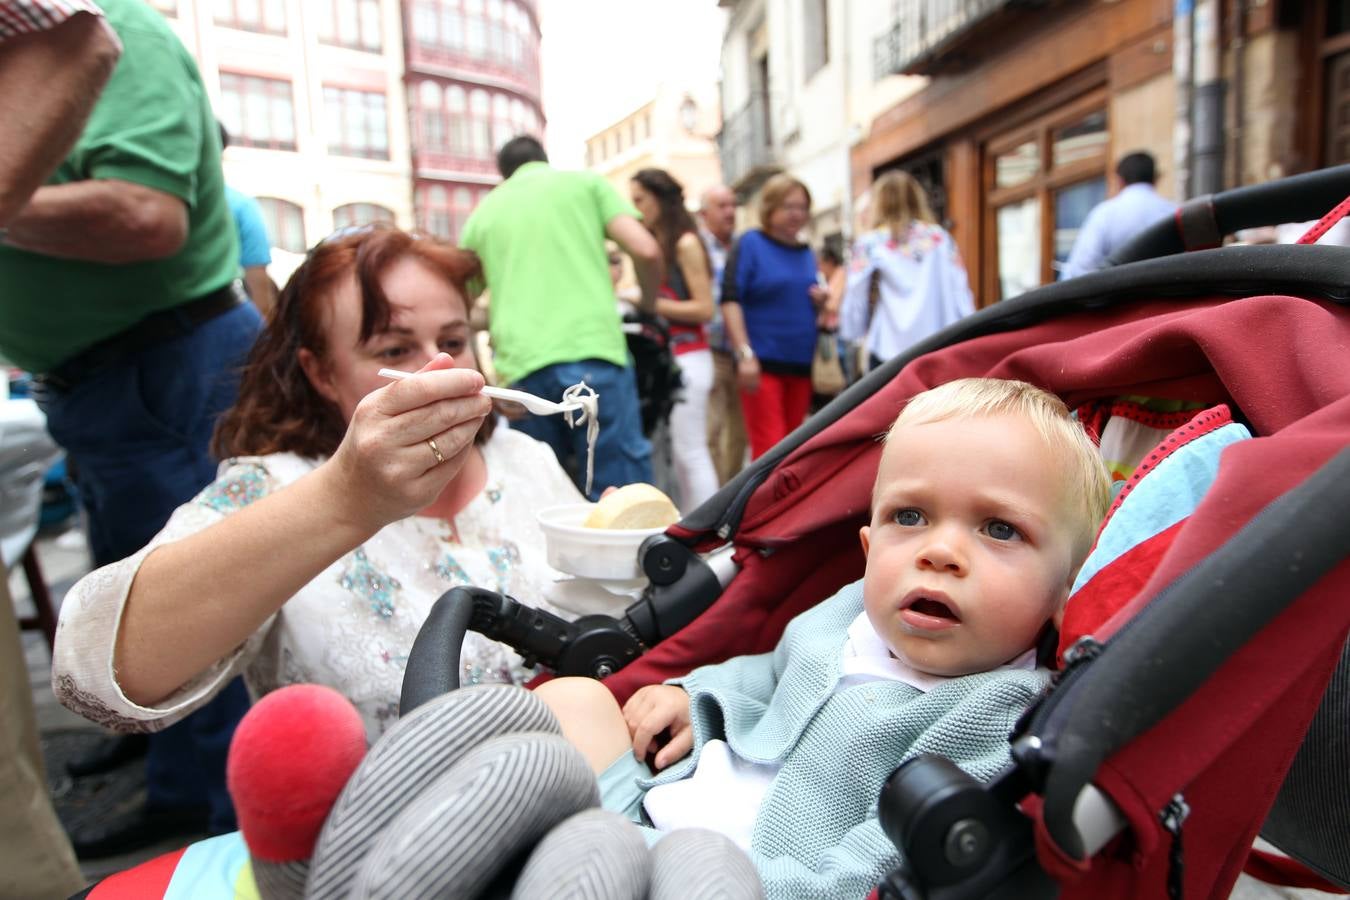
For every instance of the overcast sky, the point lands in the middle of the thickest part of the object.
(601, 59)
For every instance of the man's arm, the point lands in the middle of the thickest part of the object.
(639, 244)
(49, 82)
(105, 221)
(261, 289)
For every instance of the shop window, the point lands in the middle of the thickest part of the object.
(357, 123)
(353, 215)
(267, 16)
(1041, 180)
(350, 23)
(258, 112)
(285, 223)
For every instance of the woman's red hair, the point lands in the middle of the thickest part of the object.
(278, 410)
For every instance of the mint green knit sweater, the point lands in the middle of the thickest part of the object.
(817, 833)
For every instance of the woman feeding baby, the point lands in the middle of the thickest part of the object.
(347, 504)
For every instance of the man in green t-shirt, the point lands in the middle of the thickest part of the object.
(119, 294)
(552, 315)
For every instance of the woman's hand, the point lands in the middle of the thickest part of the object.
(819, 294)
(747, 373)
(652, 710)
(385, 467)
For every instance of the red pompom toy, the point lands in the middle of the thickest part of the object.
(291, 755)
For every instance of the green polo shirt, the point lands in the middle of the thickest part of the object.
(153, 126)
(541, 237)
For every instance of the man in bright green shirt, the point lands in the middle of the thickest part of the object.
(117, 290)
(553, 318)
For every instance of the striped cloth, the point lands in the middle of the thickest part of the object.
(31, 16)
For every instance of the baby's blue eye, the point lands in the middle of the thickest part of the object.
(1001, 531)
(909, 517)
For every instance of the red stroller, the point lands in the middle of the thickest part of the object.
(1209, 697)
(1189, 705)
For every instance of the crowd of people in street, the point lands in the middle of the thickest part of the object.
(263, 508)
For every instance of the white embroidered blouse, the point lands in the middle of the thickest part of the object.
(351, 627)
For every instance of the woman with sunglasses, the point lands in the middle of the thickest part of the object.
(345, 506)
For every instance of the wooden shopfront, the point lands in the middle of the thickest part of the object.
(1017, 130)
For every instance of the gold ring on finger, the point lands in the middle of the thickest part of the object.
(435, 451)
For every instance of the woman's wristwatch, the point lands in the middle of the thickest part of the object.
(745, 352)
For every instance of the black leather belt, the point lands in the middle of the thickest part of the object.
(155, 328)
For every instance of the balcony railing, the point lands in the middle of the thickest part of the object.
(745, 142)
(924, 29)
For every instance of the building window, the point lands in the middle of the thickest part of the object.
(1040, 182)
(815, 36)
(258, 112)
(502, 127)
(457, 106)
(353, 215)
(252, 15)
(430, 118)
(350, 23)
(357, 123)
(285, 222)
(442, 210)
(493, 31)
(480, 115)
(433, 210)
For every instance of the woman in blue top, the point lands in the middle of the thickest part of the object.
(770, 299)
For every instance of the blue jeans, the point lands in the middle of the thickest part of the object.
(622, 454)
(136, 433)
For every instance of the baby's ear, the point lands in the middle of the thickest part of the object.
(864, 535)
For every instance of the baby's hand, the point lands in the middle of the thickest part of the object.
(652, 710)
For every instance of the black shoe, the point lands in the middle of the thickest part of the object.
(135, 827)
(109, 753)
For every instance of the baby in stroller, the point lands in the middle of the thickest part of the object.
(985, 505)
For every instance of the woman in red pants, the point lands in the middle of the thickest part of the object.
(770, 300)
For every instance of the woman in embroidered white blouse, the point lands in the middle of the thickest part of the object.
(905, 279)
(347, 504)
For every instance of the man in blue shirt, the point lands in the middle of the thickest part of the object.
(255, 248)
(1113, 222)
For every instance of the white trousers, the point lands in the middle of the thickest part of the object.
(694, 471)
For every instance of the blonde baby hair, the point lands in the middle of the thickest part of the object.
(1088, 481)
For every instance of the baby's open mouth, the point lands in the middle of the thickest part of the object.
(929, 611)
(935, 608)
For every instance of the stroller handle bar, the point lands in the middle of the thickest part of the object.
(682, 585)
(1203, 221)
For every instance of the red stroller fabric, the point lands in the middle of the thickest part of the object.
(1282, 363)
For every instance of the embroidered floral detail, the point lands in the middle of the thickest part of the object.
(98, 712)
(451, 571)
(494, 494)
(398, 659)
(374, 586)
(236, 490)
(473, 673)
(502, 559)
